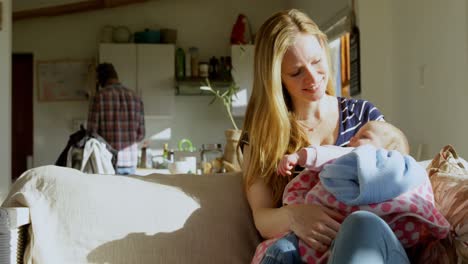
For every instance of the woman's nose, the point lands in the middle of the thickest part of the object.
(312, 75)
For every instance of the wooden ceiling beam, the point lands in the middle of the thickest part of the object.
(71, 8)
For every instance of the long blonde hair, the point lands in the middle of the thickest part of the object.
(270, 122)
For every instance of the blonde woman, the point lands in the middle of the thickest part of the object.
(293, 106)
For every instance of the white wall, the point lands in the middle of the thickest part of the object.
(205, 24)
(415, 66)
(376, 46)
(5, 99)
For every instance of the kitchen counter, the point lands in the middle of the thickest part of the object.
(144, 171)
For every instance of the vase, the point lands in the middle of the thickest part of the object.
(232, 157)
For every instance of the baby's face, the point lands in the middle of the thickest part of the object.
(368, 135)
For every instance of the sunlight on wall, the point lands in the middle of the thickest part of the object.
(240, 101)
(163, 135)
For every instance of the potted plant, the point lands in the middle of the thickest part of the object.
(232, 157)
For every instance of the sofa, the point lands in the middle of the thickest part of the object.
(61, 215)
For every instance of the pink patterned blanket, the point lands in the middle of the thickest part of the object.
(412, 215)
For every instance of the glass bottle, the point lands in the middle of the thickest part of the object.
(212, 158)
(194, 61)
(180, 63)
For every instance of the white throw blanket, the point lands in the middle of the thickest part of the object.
(89, 218)
(96, 158)
(85, 218)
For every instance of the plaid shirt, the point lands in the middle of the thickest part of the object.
(117, 115)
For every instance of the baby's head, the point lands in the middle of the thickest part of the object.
(381, 135)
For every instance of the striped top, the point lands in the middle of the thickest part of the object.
(117, 115)
(354, 113)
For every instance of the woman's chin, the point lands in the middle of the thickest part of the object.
(313, 95)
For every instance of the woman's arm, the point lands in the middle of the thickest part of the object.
(314, 224)
(269, 221)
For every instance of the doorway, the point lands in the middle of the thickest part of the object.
(22, 114)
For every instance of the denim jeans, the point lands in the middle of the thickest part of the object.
(284, 251)
(125, 170)
(364, 238)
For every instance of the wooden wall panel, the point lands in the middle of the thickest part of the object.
(71, 8)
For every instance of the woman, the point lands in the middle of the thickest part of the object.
(292, 106)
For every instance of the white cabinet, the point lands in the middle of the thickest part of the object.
(242, 73)
(146, 68)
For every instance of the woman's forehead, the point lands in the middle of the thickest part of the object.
(305, 48)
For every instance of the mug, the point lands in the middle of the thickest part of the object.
(179, 167)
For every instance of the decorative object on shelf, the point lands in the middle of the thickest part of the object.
(147, 36)
(168, 36)
(232, 157)
(121, 34)
(241, 32)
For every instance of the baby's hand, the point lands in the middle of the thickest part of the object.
(287, 163)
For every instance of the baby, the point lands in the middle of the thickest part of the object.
(375, 174)
(377, 133)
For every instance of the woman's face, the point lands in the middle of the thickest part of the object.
(304, 70)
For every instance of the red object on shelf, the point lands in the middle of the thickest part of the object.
(241, 33)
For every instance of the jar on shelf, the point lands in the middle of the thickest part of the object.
(212, 158)
(203, 69)
(194, 61)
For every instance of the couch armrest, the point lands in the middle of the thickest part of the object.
(12, 218)
(14, 224)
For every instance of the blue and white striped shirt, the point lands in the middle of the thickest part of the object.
(354, 113)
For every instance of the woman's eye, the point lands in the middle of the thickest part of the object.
(317, 61)
(296, 73)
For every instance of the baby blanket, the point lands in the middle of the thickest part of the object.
(411, 215)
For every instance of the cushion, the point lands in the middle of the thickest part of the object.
(87, 218)
(449, 179)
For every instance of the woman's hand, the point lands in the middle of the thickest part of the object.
(316, 225)
(287, 163)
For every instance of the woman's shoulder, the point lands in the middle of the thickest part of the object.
(359, 108)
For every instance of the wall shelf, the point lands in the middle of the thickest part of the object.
(191, 85)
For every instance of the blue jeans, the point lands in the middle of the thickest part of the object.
(366, 238)
(285, 250)
(125, 170)
(363, 238)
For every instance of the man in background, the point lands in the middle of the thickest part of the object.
(117, 115)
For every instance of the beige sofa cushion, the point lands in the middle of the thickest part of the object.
(85, 218)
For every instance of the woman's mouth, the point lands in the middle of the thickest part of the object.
(313, 88)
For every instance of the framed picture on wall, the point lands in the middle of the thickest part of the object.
(65, 80)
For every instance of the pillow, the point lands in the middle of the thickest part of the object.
(449, 179)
